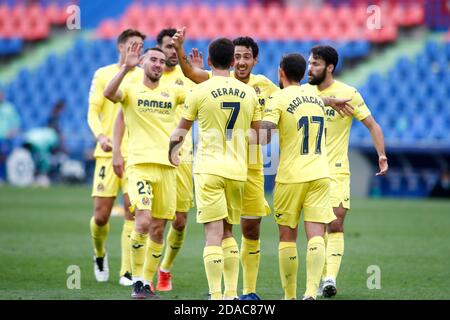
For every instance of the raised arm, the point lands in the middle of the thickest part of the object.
(112, 91)
(118, 131)
(195, 74)
(378, 141)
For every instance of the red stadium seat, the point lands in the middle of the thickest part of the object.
(107, 29)
(135, 11)
(274, 12)
(53, 14)
(222, 12)
(415, 14)
(151, 12)
(326, 13)
(256, 12)
(345, 13)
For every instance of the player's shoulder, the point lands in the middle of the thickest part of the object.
(308, 87)
(345, 87)
(262, 79)
(106, 69)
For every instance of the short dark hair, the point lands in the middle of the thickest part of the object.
(327, 54)
(153, 49)
(294, 66)
(128, 33)
(248, 43)
(221, 53)
(168, 32)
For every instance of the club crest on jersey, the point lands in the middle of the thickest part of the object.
(165, 94)
(179, 82)
(145, 201)
(257, 90)
(100, 187)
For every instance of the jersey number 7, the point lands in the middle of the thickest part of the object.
(235, 108)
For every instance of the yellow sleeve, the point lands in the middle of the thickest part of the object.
(124, 89)
(181, 95)
(257, 114)
(273, 111)
(96, 101)
(190, 107)
(361, 110)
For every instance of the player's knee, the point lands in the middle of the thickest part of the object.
(251, 233)
(336, 226)
(250, 228)
(101, 219)
(157, 232)
(180, 222)
(142, 225)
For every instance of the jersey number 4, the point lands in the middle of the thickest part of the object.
(304, 123)
(235, 108)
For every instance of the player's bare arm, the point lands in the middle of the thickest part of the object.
(177, 139)
(265, 135)
(378, 141)
(117, 158)
(132, 59)
(194, 73)
(340, 105)
(253, 135)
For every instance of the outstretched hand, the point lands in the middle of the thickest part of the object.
(196, 58)
(133, 54)
(341, 106)
(178, 38)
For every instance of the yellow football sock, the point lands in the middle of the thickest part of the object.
(175, 240)
(288, 260)
(125, 266)
(335, 251)
(325, 239)
(138, 243)
(152, 259)
(231, 267)
(315, 260)
(99, 234)
(213, 261)
(250, 257)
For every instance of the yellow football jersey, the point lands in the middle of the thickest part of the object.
(263, 89)
(102, 112)
(176, 77)
(337, 128)
(299, 114)
(149, 116)
(225, 108)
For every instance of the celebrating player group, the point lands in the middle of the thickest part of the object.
(141, 111)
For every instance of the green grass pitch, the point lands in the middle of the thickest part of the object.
(44, 231)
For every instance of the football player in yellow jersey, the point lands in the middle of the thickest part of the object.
(302, 180)
(185, 189)
(226, 109)
(149, 110)
(106, 185)
(322, 62)
(254, 204)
